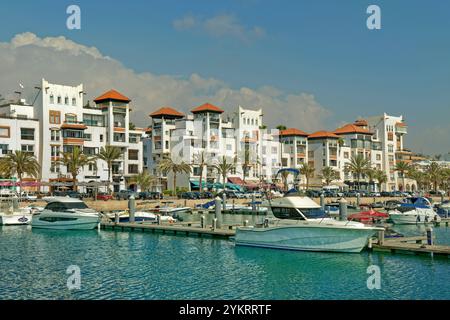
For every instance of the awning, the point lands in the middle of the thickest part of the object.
(236, 180)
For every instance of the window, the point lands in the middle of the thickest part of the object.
(52, 99)
(71, 118)
(74, 101)
(253, 122)
(378, 157)
(87, 137)
(59, 100)
(133, 169)
(92, 167)
(55, 117)
(4, 148)
(133, 154)
(68, 148)
(55, 135)
(66, 101)
(54, 167)
(274, 150)
(4, 132)
(28, 148)
(93, 120)
(55, 151)
(229, 147)
(390, 148)
(90, 151)
(101, 138)
(77, 134)
(134, 138)
(119, 137)
(346, 155)
(26, 134)
(167, 144)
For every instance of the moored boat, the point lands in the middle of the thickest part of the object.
(292, 229)
(63, 213)
(414, 210)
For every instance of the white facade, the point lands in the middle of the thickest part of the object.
(19, 129)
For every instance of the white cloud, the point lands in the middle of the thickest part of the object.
(28, 58)
(225, 25)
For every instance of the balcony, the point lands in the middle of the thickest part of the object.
(301, 155)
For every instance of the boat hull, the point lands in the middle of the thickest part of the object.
(15, 219)
(305, 238)
(417, 216)
(60, 223)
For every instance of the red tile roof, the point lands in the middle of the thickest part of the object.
(112, 95)
(166, 111)
(207, 107)
(401, 124)
(323, 134)
(293, 132)
(351, 128)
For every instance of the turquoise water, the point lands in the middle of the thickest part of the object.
(136, 265)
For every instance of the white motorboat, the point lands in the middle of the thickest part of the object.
(10, 213)
(15, 218)
(65, 213)
(414, 210)
(292, 229)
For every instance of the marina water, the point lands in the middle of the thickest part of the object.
(137, 265)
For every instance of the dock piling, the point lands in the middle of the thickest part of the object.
(203, 222)
(214, 224)
(322, 201)
(343, 210)
(218, 212)
(253, 203)
(430, 236)
(132, 208)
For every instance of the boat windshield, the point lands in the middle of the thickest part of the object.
(63, 206)
(295, 214)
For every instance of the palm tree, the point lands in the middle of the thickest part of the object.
(168, 165)
(308, 171)
(402, 167)
(434, 173)
(223, 167)
(358, 166)
(201, 160)
(284, 176)
(144, 180)
(371, 175)
(381, 177)
(19, 163)
(75, 161)
(281, 127)
(329, 174)
(109, 154)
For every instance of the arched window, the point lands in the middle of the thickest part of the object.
(253, 122)
(74, 101)
(59, 100)
(66, 101)
(52, 99)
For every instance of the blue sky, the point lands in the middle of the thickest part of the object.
(319, 47)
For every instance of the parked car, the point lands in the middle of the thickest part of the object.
(187, 195)
(207, 195)
(126, 194)
(104, 196)
(374, 194)
(313, 193)
(156, 195)
(74, 194)
(28, 196)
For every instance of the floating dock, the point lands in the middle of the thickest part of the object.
(409, 245)
(183, 228)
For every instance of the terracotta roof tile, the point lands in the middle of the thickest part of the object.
(351, 128)
(207, 107)
(293, 132)
(323, 134)
(112, 95)
(166, 111)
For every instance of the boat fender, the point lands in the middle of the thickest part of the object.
(266, 223)
(426, 218)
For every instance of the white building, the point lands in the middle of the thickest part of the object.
(65, 123)
(19, 130)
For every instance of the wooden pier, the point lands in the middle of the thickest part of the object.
(181, 228)
(409, 245)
